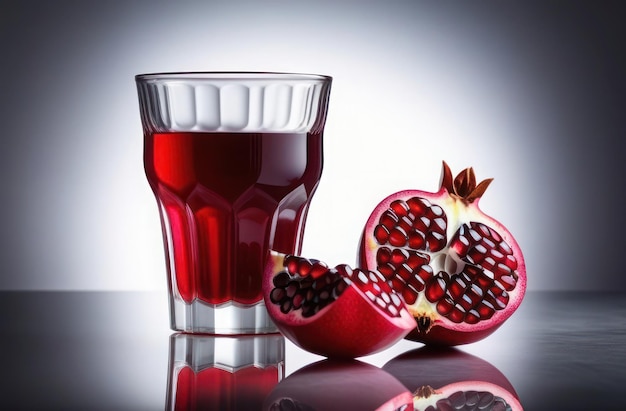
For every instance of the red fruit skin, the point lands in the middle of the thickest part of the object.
(443, 332)
(331, 385)
(350, 327)
(448, 370)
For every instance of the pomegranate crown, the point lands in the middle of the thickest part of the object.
(464, 184)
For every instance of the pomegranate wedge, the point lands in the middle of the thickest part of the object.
(335, 312)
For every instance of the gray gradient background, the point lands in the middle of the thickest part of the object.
(531, 94)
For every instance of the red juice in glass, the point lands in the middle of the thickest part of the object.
(225, 198)
(233, 160)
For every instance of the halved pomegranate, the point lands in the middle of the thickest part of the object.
(461, 272)
(334, 312)
(339, 386)
(450, 379)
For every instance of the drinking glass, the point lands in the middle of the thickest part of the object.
(233, 159)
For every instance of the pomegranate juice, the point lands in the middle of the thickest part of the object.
(224, 198)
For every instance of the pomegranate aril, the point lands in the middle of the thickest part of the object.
(417, 205)
(457, 314)
(508, 282)
(398, 237)
(281, 279)
(417, 283)
(304, 267)
(456, 288)
(416, 240)
(389, 219)
(318, 270)
(277, 295)
(444, 405)
(383, 255)
(409, 295)
(445, 306)
(285, 306)
(417, 259)
(399, 256)
(457, 400)
(472, 317)
(466, 302)
(387, 270)
(297, 301)
(381, 233)
(405, 272)
(435, 289)
(421, 224)
(400, 208)
(485, 310)
(436, 241)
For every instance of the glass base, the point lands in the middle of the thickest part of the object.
(228, 318)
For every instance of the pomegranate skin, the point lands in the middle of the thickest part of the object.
(338, 386)
(460, 246)
(350, 327)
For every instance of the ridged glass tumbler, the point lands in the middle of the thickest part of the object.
(233, 160)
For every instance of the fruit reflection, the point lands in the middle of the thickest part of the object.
(331, 385)
(450, 379)
(223, 373)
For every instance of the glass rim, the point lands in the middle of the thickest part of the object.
(230, 75)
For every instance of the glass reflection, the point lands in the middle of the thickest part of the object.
(224, 373)
(339, 386)
(450, 379)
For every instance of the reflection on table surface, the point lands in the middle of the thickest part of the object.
(103, 351)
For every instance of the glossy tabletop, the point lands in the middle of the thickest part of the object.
(114, 351)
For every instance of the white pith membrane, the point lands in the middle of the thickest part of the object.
(370, 285)
(457, 213)
(466, 395)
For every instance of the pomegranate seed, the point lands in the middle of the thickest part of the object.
(417, 259)
(318, 270)
(277, 295)
(503, 299)
(399, 256)
(472, 317)
(406, 223)
(387, 270)
(400, 208)
(383, 255)
(291, 262)
(456, 288)
(281, 279)
(304, 267)
(417, 283)
(466, 302)
(485, 310)
(436, 241)
(416, 240)
(381, 233)
(445, 306)
(475, 293)
(435, 289)
(389, 219)
(457, 314)
(508, 282)
(425, 272)
(297, 301)
(397, 237)
(409, 295)
(421, 224)
(405, 272)
(417, 205)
